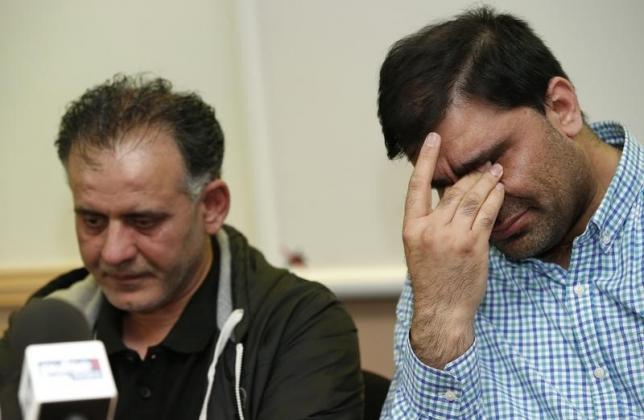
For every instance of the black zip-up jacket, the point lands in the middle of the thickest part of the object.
(299, 345)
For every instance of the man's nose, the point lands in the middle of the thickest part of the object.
(119, 246)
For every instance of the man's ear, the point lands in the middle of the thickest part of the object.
(562, 107)
(215, 203)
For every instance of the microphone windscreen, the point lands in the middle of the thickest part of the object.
(40, 321)
(44, 321)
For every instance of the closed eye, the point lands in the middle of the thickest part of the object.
(145, 222)
(92, 221)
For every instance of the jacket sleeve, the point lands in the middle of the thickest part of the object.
(316, 372)
(419, 391)
(9, 380)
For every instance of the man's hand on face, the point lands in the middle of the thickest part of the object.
(447, 254)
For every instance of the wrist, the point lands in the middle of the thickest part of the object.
(440, 341)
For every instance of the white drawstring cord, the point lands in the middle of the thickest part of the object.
(239, 355)
(226, 332)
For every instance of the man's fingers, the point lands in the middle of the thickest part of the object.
(489, 211)
(472, 202)
(452, 196)
(419, 194)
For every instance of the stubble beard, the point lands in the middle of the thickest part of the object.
(564, 190)
(167, 286)
(547, 229)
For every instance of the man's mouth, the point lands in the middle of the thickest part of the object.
(124, 276)
(509, 225)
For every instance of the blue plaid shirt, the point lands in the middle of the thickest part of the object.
(550, 342)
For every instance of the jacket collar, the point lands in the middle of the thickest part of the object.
(233, 279)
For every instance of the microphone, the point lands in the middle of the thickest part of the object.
(44, 321)
(65, 374)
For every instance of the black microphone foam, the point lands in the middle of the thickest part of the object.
(40, 321)
(43, 321)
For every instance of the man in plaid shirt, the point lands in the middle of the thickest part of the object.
(548, 320)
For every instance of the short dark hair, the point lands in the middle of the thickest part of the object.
(105, 113)
(480, 54)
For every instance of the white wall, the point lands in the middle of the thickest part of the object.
(294, 84)
(339, 200)
(51, 51)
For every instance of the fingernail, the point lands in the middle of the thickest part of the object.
(496, 169)
(432, 139)
(499, 186)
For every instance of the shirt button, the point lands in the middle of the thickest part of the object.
(605, 239)
(579, 290)
(145, 392)
(450, 395)
(599, 373)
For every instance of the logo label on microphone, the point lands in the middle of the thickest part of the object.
(74, 369)
(65, 376)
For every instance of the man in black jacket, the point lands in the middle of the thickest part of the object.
(195, 322)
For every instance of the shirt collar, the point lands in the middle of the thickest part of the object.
(625, 185)
(621, 195)
(109, 325)
(198, 322)
(192, 332)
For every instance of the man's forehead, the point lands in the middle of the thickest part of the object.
(469, 121)
(139, 168)
(458, 151)
(470, 136)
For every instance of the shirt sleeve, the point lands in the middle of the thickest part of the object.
(420, 391)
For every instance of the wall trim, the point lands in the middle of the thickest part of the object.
(16, 284)
(359, 282)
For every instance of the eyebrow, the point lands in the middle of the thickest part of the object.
(83, 210)
(461, 169)
(143, 213)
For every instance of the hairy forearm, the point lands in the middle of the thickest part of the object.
(439, 336)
